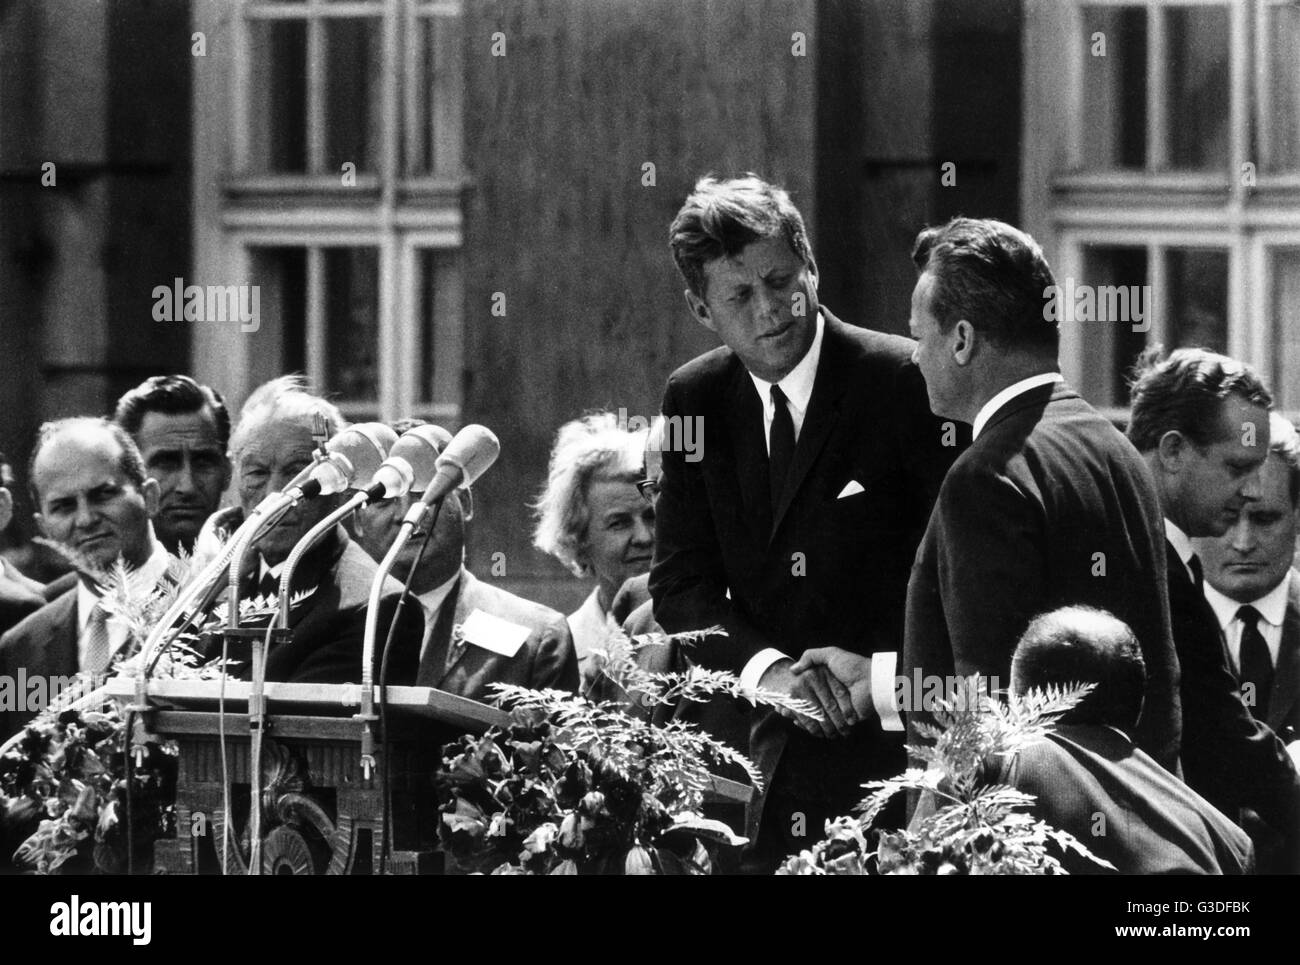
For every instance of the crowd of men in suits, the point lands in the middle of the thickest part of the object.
(864, 511)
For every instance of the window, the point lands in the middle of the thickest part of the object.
(333, 182)
(1162, 153)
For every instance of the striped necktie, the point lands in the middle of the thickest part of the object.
(97, 650)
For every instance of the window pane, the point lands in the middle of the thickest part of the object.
(1196, 306)
(1199, 84)
(281, 275)
(351, 306)
(1280, 125)
(1285, 307)
(277, 106)
(435, 121)
(440, 348)
(1114, 88)
(353, 85)
(1109, 344)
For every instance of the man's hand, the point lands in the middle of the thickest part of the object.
(850, 671)
(819, 687)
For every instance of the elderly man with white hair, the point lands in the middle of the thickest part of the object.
(269, 446)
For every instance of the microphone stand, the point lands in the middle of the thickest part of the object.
(386, 839)
(257, 696)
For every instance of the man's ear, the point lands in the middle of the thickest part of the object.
(963, 342)
(700, 309)
(466, 504)
(149, 490)
(1171, 451)
(6, 508)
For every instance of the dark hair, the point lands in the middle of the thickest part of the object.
(1185, 392)
(992, 275)
(1084, 645)
(1284, 442)
(720, 218)
(172, 395)
(130, 462)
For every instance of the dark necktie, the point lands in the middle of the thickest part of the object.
(780, 447)
(1255, 662)
(1198, 574)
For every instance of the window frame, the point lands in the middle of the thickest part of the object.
(395, 212)
(1068, 208)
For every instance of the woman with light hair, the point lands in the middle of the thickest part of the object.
(592, 518)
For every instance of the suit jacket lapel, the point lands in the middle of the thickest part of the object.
(818, 421)
(65, 645)
(1286, 681)
(749, 446)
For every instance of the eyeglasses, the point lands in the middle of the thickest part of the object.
(649, 488)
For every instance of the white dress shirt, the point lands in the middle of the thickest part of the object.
(797, 386)
(990, 408)
(141, 581)
(1272, 611)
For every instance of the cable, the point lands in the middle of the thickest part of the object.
(385, 772)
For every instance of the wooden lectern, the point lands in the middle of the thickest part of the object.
(320, 813)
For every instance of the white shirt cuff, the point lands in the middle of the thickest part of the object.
(757, 666)
(883, 698)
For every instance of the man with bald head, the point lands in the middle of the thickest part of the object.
(475, 634)
(94, 500)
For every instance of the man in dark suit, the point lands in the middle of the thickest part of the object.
(1200, 421)
(1255, 591)
(1049, 506)
(795, 524)
(475, 634)
(94, 500)
(182, 429)
(271, 444)
(1086, 774)
(19, 596)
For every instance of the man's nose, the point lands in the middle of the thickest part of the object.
(770, 305)
(185, 477)
(1242, 538)
(86, 514)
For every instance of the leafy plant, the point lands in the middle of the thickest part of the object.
(966, 822)
(572, 786)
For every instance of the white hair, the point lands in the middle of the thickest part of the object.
(595, 446)
(286, 399)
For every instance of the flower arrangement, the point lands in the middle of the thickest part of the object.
(573, 786)
(64, 779)
(966, 822)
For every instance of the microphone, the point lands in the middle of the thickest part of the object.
(470, 453)
(411, 463)
(365, 446)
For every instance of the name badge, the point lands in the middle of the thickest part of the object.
(493, 633)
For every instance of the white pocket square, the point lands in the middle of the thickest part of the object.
(852, 489)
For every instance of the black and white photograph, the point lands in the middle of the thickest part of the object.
(650, 437)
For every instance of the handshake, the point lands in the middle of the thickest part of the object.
(836, 682)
